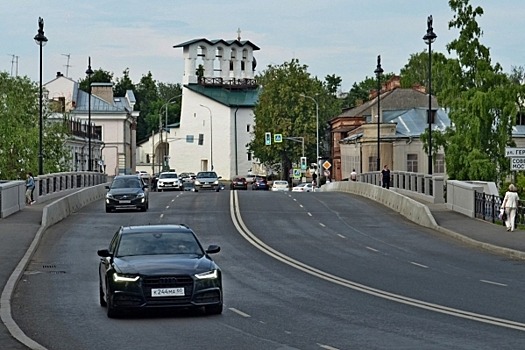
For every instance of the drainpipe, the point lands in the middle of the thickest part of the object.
(236, 155)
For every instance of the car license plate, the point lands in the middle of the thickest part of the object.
(167, 292)
(125, 202)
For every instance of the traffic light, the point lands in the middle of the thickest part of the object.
(267, 138)
(303, 163)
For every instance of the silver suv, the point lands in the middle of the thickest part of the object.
(207, 180)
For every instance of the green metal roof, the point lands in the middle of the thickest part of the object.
(230, 98)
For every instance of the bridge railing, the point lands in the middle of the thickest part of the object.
(47, 187)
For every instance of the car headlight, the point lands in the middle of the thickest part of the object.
(140, 195)
(207, 275)
(109, 195)
(197, 182)
(216, 182)
(118, 277)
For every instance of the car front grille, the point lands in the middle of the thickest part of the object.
(125, 196)
(168, 282)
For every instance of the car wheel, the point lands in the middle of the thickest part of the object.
(213, 309)
(101, 295)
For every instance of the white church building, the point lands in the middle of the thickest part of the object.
(217, 120)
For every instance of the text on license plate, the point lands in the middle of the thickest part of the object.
(167, 292)
(125, 202)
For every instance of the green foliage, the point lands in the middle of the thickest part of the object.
(124, 84)
(98, 76)
(415, 72)
(281, 109)
(20, 130)
(361, 92)
(333, 83)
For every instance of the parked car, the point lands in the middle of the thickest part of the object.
(239, 183)
(188, 186)
(207, 180)
(250, 178)
(260, 183)
(158, 266)
(187, 177)
(303, 187)
(127, 192)
(168, 181)
(280, 185)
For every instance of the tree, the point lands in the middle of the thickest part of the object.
(361, 92)
(148, 103)
(481, 101)
(282, 110)
(415, 72)
(124, 84)
(20, 131)
(333, 83)
(98, 76)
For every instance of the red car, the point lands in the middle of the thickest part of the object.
(239, 183)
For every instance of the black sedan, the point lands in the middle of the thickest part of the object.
(260, 184)
(127, 192)
(158, 266)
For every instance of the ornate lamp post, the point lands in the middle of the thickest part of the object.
(378, 73)
(89, 73)
(429, 38)
(41, 41)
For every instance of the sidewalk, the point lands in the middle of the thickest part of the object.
(18, 230)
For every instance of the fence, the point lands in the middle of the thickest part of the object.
(47, 187)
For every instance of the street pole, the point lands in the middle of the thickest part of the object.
(166, 125)
(89, 72)
(41, 40)
(211, 135)
(318, 180)
(378, 71)
(429, 38)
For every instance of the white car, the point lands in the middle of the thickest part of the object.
(280, 185)
(168, 181)
(303, 187)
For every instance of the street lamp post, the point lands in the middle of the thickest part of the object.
(163, 156)
(41, 40)
(429, 38)
(211, 135)
(89, 73)
(318, 180)
(378, 73)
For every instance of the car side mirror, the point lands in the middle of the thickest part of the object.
(212, 249)
(107, 187)
(104, 253)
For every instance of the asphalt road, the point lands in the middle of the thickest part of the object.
(301, 271)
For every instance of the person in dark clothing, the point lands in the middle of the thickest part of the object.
(385, 177)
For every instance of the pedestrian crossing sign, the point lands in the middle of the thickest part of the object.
(277, 138)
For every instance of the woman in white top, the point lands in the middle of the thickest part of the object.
(510, 205)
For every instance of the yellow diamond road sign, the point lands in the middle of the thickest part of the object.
(327, 165)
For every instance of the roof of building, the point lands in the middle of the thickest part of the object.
(219, 41)
(230, 98)
(120, 104)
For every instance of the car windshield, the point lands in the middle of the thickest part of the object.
(206, 174)
(158, 243)
(168, 176)
(127, 183)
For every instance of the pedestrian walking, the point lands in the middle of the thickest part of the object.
(30, 187)
(353, 175)
(510, 205)
(385, 177)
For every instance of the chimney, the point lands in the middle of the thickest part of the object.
(103, 91)
(59, 75)
(419, 88)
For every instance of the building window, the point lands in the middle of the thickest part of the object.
(247, 127)
(439, 164)
(249, 156)
(147, 159)
(372, 163)
(432, 116)
(412, 163)
(189, 138)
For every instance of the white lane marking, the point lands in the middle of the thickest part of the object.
(322, 225)
(494, 283)
(372, 249)
(301, 205)
(161, 215)
(328, 347)
(238, 312)
(420, 265)
(309, 214)
(295, 200)
(243, 230)
(340, 235)
(167, 207)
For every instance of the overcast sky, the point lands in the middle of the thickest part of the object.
(341, 37)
